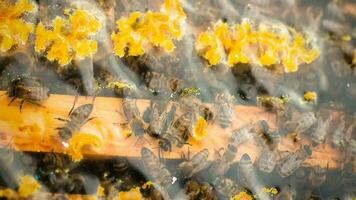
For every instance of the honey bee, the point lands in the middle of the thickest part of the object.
(220, 166)
(261, 131)
(156, 124)
(76, 119)
(267, 161)
(132, 114)
(195, 164)
(157, 118)
(27, 89)
(157, 171)
(226, 187)
(304, 123)
(299, 179)
(54, 171)
(188, 100)
(177, 134)
(169, 60)
(317, 176)
(268, 158)
(338, 138)
(337, 29)
(75, 184)
(290, 163)
(120, 166)
(195, 190)
(224, 108)
(151, 62)
(122, 172)
(157, 83)
(272, 104)
(246, 171)
(319, 135)
(241, 135)
(150, 192)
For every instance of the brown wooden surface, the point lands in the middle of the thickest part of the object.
(34, 130)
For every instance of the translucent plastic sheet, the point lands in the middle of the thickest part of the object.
(177, 99)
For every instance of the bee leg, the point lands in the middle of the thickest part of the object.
(188, 154)
(184, 157)
(91, 118)
(217, 152)
(72, 108)
(61, 119)
(21, 104)
(122, 124)
(12, 100)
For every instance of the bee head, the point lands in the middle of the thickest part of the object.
(165, 144)
(245, 158)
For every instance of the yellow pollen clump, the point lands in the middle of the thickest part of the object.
(272, 190)
(69, 39)
(100, 191)
(242, 196)
(159, 29)
(7, 193)
(28, 186)
(310, 96)
(200, 129)
(133, 194)
(13, 30)
(242, 43)
(79, 141)
(120, 85)
(147, 185)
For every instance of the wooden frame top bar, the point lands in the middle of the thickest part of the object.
(34, 129)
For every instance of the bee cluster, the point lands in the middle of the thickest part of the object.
(187, 96)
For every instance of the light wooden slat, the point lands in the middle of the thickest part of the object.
(16, 126)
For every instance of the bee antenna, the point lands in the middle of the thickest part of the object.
(95, 95)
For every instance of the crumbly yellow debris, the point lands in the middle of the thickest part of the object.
(310, 96)
(242, 43)
(8, 193)
(100, 191)
(272, 190)
(354, 60)
(133, 194)
(80, 140)
(120, 85)
(242, 196)
(276, 102)
(127, 133)
(146, 185)
(69, 38)
(28, 186)
(346, 38)
(13, 30)
(200, 129)
(189, 91)
(159, 29)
